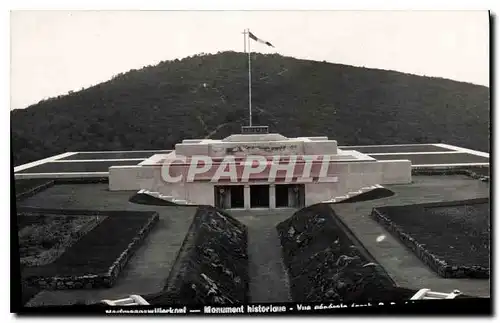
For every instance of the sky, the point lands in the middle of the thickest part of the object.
(53, 52)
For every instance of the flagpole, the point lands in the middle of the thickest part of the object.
(244, 41)
(249, 81)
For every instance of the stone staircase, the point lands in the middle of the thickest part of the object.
(165, 197)
(353, 193)
(333, 200)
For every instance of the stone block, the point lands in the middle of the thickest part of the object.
(192, 149)
(320, 147)
(255, 137)
(124, 178)
(396, 171)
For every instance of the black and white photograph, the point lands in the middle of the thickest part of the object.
(250, 162)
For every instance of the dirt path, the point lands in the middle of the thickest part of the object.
(268, 276)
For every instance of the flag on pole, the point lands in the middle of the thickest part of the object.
(252, 36)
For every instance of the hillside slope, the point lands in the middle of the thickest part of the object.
(207, 96)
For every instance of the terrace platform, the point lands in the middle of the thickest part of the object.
(404, 267)
(351, 168)
(151, 264)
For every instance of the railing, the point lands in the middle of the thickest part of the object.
(133, 300)
(426, 293)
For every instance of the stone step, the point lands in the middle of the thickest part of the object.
(353, 193)
(168, 198)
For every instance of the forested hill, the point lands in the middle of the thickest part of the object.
(207, 96)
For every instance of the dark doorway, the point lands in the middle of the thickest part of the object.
(237, 196)
(229, 197)
(282, 195)
(290, 195)
(259, 196)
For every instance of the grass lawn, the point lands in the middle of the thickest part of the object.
(97, 258)
(453, 238)
(43, 238)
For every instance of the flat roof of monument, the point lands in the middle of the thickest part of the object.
(97, 163)
(83, 164)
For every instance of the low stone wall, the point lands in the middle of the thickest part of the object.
(81, 180)
(36, 277)
(70, 282)
(27, 210)
(476, 172)
(25, 188)
(120, 263)
(212, 264)
(396, 171)
(326, 263)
